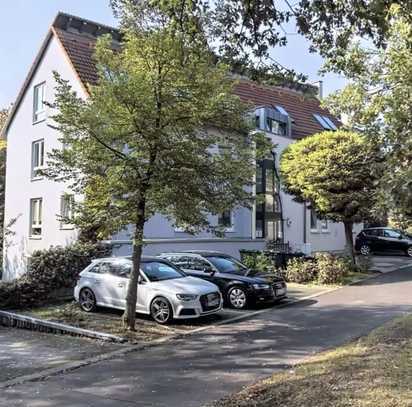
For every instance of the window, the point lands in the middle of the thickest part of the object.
(225, 219)
(66, 210)
(281, 110)
(313, 220)
(37, 158)
(392, 233)
(39, 107)
(325, 122)
(324, 227)
(121, 268)
(159, 271)
(36, 217)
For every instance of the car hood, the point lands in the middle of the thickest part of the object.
(185, 285)
(251, 278)
(269, 277)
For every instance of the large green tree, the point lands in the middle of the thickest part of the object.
(162, 132)
(337, 173)
(245, 31)
(378, 102)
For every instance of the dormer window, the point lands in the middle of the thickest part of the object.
(325, 122)
(271, 120)
(39, 107)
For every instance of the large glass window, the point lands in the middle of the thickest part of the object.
(39, 107)
(66, 210)
(269, 223)
(225, 219)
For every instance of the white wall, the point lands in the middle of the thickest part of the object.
(19, 186)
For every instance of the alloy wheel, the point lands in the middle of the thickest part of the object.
(87, 300)
(237, 298)
(365, 250)
(160, 310)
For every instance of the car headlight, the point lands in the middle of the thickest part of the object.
(261, 286)
(186, 297)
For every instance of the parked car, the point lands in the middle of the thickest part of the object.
(239, 285)
(383, 239)
(165, 292)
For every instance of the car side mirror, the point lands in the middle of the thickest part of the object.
(140, 280)
(208, 270)
(400, 237)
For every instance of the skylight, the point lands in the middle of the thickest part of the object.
(281, 110)
(325, 122)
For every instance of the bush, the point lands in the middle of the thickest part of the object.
(300, 270)
(49, 270)
(330, 269)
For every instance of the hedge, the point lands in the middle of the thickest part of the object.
(49, 270)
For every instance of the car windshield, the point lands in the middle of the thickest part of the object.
(228, 265)
(159, 271)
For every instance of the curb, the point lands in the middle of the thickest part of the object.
(10, 319)
(120, 352)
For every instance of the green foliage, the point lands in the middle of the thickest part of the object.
(49, 270)
(330, 269)
(338, 173)
(324, 268)
(300, 270)
(379, 102)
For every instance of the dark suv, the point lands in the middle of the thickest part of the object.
(239, 285)
(383, 240)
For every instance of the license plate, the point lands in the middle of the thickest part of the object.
(281, 291)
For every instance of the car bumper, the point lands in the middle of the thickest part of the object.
(270, 295)
(195, 309)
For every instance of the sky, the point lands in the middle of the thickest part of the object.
(24, 24)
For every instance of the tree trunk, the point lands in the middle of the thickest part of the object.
(129, 316)
(349, 241)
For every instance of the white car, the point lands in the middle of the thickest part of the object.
(165, 292)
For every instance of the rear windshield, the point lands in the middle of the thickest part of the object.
(159, 271)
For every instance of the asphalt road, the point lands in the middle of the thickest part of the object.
(206, 366)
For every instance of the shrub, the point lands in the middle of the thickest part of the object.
(330, 269)
(49, 270)
(300, 270)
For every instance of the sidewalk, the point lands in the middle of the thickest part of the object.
(197, 369)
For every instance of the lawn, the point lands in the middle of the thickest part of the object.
(374, 371)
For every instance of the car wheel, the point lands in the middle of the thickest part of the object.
(365, 250)
(87, 300)
(161, 310)
(237, 298)
(409, 251)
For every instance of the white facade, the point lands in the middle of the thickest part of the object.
(22, 186)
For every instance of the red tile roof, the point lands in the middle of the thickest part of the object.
(78, 38)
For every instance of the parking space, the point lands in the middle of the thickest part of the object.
(385, 263)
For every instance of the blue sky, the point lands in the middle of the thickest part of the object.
(24, 24)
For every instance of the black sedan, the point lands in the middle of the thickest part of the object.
(239, 285)
(383, 240)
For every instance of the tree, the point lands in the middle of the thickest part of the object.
(378, 102)
(245, 31)
(337, 173)
(162, 132)
(3, 118)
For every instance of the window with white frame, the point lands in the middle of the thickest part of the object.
(66, 210)
(37, 158)
(39, 107)
(36, 217)
(313, 220)
(324, 227)
(225, 219)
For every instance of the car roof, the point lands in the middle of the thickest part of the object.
(204, 253)
(144, 259)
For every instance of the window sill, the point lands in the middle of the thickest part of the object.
(314, 231)
(35, 237)
(326, 231)
(36, 178)
(67, 227)
(39, 121)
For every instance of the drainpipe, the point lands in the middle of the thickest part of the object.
(304, 223)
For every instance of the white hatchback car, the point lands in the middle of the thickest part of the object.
(165, 292)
